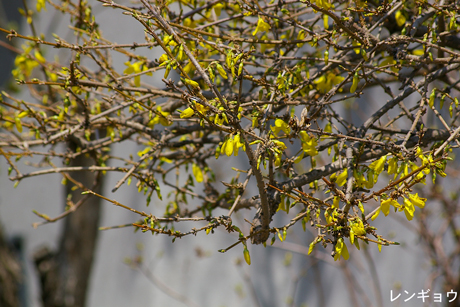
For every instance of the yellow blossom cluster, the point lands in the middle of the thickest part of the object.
(262, 26)
(325, 4)
(308, 144)
(136, 68)
(161, 117)
(280, 147)
(280, 125)
(189, 112)
(325, 83)
(232, 145)
(25, 63)
(220, 118)
(197, 172)
(341, 250)
(408, 206)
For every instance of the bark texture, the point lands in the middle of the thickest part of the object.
(10, 274)
(64, 274)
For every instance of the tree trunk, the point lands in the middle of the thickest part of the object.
(10, 274)
(64, 275)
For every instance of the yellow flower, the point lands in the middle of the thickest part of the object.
(217, 8)
(354, 86)
(326, 22)
(221, 71)
(328, 129)
(299, 158)
(169, 40)
(282, 205)
(342, 178)
(41, 4)
(240, 112)
(405, 168)
(392, 166)
(17, 122)
(400, 18)
(237, 144)
(227, 147)
(326, 82)
(280, 125)
(378, 165)
(277, 159)
(385, 205)
(164, 159)
(356, 44)
(341, 250)
(416, 200)
(331, 215)
(432, 98)
(301, 36)
(181, 56)
(189, 23)
(325, 4)
(419, 175)
(357, 227)
(425, 160)
(308, 144)
(24, 65)
(376, 214)
(335, 202)
(279, 144)
(408, 209)
(370, 179)
(262, 26)
(201, 108)
(192, 83)
(162, 119)
(39, 57)
(264, 47)
(246, 255)
(143, 152)
(220, 118)
(359, 178)
(187, 113)
(389, 60)
(132, 68)
(189, 67)
(197, 173)
(163, 58)
(136, 68)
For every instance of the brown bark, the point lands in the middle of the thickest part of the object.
(64, 275)
(10, 274)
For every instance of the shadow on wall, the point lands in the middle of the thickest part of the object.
(10, 18)
(12, 264)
